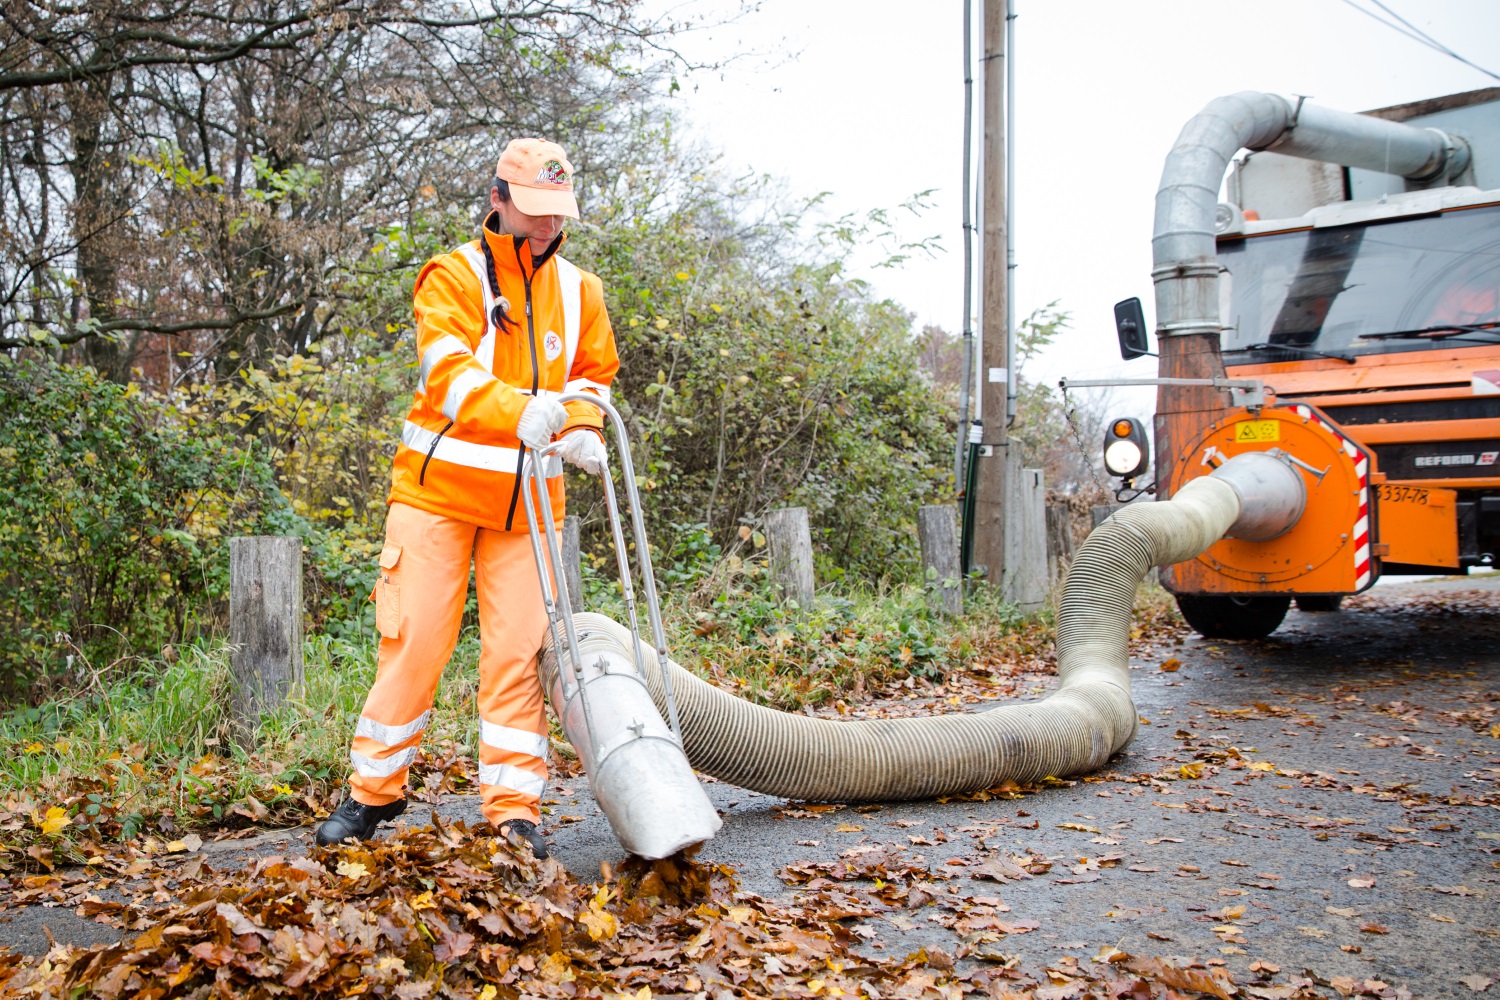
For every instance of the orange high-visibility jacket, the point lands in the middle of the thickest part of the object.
(459, 455)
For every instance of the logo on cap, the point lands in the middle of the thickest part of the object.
(552, 172)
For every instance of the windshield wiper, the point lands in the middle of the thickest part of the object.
(1434, 332)
(1296, 350)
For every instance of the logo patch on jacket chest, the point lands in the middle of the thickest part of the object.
(553, 345)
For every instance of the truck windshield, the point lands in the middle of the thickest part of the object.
(1404, 285)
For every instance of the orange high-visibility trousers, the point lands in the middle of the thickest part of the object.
(424, 579)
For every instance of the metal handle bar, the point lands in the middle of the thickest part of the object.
(556, 598)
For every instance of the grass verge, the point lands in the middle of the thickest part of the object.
(148, 752)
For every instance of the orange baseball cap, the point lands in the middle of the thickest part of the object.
(540, 177)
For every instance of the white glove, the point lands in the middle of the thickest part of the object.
(583, 448)
(541, 419)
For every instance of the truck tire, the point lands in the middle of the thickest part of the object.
(1320, 602)
(1217, 616)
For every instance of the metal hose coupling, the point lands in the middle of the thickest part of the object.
(1271, 491)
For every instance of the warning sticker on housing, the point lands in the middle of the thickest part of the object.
(1257, 430)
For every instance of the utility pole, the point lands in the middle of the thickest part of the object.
(994, 376)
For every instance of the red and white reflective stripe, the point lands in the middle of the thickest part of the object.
(1362, 551)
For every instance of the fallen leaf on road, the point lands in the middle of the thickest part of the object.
(999, 869)
(1341, 911)
(1455, 890)
(1220, 986)
(1315, 932)
(352, 869)
(1476, 983)
(1171, 666)
(848, 828)
(1440, 918)
(1080, 827)
(806, 810)
(1361, 883)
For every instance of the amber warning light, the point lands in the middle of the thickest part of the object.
(1126, 453)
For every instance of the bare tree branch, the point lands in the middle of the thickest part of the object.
(229, 322)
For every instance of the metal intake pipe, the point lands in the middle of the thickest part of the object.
(1089, 718)
(1185, 266)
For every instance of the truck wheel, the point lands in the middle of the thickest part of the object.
(1217, 616)
(1320, 602)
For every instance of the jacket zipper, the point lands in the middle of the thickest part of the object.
(530, 343)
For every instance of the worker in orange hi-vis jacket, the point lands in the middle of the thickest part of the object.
(504, 325)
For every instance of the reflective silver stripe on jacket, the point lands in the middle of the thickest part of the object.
(480, 267)
(463, 383)
(514, 778)
(491, 457)
(571, 281)
(579, 384)
(391, 735)
(511, 739)
(446, 345)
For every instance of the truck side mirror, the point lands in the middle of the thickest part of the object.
(1130, 326)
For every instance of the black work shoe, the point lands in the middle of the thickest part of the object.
(523, 831)
(354, 820)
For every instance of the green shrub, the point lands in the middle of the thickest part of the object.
(111, 520)
(756, 373)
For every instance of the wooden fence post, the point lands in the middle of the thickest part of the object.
(1025, 581)
(265, 628)
(789, 539)
(572, 565)
(1059, 541)
(937, 531)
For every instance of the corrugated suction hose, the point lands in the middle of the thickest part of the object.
(1080, 726)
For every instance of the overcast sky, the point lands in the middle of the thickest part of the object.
(864, 99)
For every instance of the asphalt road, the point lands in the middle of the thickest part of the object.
(1324, 801)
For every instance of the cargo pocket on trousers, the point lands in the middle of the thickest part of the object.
(388, 594)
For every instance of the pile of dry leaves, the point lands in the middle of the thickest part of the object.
(446, 910)
(449, 911)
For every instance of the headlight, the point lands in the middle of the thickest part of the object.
(1122, 457)
(1126, 453)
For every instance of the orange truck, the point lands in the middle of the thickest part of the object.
(1355, 260)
